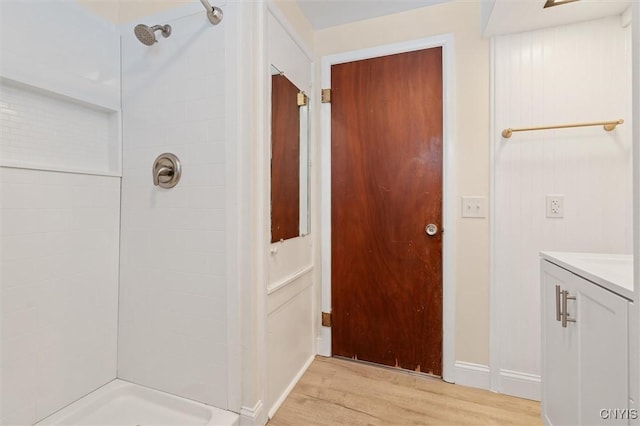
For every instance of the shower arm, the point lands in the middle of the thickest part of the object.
(206, 5)
(213, 13)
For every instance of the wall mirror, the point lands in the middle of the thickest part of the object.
(289, 159)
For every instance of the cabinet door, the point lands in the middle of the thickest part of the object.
(559, 353)
(602, 324)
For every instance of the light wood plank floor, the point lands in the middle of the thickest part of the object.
(341, 392)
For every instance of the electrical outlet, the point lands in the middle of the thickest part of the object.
(555, 206)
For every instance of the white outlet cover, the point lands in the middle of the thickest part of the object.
(554, 206)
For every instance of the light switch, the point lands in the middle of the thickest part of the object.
(474, 207)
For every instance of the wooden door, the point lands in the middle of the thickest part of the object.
(386, 186)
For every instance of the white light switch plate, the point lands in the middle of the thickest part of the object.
(474, 207)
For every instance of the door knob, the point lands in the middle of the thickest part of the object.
(431, 229)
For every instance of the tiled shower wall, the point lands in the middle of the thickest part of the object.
(59, 230)
(43, 131)
(173, 282)
(59, 263)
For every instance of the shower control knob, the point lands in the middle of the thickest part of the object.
(167, 170)
(431, 229)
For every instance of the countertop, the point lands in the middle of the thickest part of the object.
(613, 272)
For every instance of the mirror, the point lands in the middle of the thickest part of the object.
(289, 159)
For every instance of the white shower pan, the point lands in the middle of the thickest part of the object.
(121, 403)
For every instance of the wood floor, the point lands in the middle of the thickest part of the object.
(341, 392)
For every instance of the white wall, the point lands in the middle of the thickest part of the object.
(59, 106)
(290, 330)
(569, 74)
(175, 274)
(78, 58)
(124, 11)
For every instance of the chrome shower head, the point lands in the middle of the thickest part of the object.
(147, 34)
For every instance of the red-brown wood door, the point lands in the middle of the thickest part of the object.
(386, 186)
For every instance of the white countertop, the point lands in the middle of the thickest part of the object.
(611, 271)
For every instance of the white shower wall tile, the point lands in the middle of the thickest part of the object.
(42, 130)
(79, 57)
(173, 314)
(207, 174)
(59, 94)
(59, 284)
(206, 153)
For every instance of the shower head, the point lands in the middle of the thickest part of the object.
(147, 35)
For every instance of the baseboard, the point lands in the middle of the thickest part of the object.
(252, 416)
(472, 375)
(522, 385)
(287, 391)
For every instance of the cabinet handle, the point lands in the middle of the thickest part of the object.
(558, 311)
(565, 314)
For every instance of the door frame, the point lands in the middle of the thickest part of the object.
(446, 41)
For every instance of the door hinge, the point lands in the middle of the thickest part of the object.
(302, 99)
(326, 96)
(326, 319)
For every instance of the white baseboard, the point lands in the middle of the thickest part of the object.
(522, 385)
(514, 383)
(289, 388)
(472, 375)
(252, 416)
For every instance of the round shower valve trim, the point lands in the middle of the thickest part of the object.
(167, 170)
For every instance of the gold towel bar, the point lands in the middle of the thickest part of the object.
(608, 126)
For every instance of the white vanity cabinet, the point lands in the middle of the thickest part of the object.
(585, 354)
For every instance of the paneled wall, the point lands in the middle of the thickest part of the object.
(59, 206)
(570, 74)
(174, 260)
(290, 328)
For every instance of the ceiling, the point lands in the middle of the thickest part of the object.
(498, 16)
(329, 13)
(509, 16)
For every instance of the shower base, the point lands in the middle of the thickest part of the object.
(121, 403)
